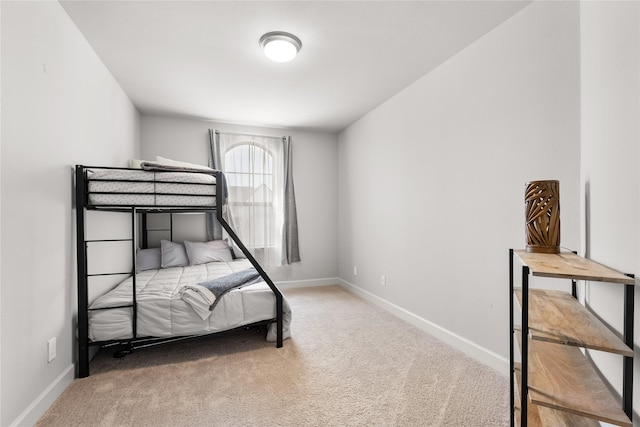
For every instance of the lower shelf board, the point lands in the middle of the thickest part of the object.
(533, 419)
(541, 416)
(561, 377)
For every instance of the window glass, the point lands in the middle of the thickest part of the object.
(249, 173)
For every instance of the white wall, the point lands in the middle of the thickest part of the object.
(60, 106)
(610, 177)
(315, 157)
(432, 181)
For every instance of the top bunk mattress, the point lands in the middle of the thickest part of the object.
(133, 187)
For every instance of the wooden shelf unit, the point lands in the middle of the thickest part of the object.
(556, 383)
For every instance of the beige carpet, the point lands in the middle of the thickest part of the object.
(349, 363)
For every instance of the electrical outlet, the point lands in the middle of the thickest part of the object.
(51, 347)
(355, 270)
(383, 280)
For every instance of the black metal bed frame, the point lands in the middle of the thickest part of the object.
(83, 204)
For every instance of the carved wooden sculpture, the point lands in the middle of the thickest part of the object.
(542, 208)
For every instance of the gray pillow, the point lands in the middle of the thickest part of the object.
(203, 252)
(236, 252)
(173, 254)
(148, 259)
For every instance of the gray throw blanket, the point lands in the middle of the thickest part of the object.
(222, 285)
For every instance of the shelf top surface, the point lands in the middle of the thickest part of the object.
(571, 266)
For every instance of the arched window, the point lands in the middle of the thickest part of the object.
(261, 205)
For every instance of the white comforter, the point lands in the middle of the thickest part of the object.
(163, 313)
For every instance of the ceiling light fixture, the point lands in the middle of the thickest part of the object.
(280, 46)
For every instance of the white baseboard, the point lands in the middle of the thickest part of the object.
(481, 354)
(307, 283)
(38, 407)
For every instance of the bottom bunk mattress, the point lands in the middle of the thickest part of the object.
(162, 312)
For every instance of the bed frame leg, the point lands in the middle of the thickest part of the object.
(279, 322)
(124, 352)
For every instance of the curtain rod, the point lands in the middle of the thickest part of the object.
(249, 134)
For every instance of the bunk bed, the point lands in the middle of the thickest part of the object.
(149, 307)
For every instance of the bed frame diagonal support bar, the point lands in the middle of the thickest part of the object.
(83, 295)
(220, 197)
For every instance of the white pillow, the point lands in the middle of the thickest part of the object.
(148, 259)
(203, 252)
(169, 162)
(173, 254)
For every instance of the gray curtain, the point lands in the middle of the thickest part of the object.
(290, 247)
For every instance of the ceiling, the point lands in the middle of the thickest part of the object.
(201, 59)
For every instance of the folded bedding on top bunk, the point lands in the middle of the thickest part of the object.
(163, 313)
(182, 167)
(118, 187)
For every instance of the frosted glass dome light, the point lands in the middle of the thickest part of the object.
(280, 46)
